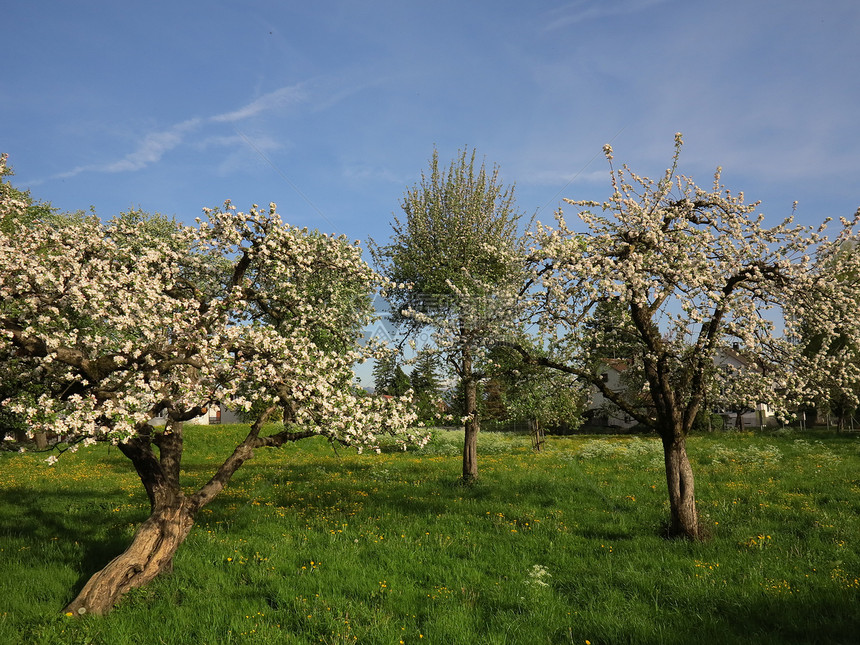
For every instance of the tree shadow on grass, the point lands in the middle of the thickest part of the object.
(768, 621)
(80, 526)
(379, 492)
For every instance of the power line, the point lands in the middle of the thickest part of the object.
(572, 179)
(287, 179)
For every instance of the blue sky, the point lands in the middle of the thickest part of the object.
(332, 109)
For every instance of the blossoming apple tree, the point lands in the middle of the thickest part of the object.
(831, 339)
(117, 321)
(694, 271)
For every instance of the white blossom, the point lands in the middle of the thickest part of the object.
(136, 320)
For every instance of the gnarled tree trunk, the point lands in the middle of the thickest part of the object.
(149, 554)
(157, 539)
(684, 520)
(172, 513)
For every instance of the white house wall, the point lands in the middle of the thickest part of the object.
(761, 416)
(211, 417)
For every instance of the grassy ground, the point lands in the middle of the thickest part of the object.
(309, 546)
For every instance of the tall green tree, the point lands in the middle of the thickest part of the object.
(455, 262)
(610, 333)
(389, 377)
(427, 386)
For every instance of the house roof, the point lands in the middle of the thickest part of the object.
(618, 364)
(744, 360)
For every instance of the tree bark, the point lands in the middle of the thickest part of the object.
(470, 405)
(472, 426)
(684, 521)
(157, 539)
(172, 513)
(149, 554)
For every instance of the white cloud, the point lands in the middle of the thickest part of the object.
(242, 151)
(154, 145)
(559, 177)
(257, 141)
(584, 10)
(266, 103)
(152, 148)
(364, 173)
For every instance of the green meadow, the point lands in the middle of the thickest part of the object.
(313, 545)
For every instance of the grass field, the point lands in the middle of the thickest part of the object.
(312, 546)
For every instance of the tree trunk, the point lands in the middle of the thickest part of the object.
(172, 513)
(156, 540)
(684, 521)
(537, 434)
(149, 554)
(473, 424)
